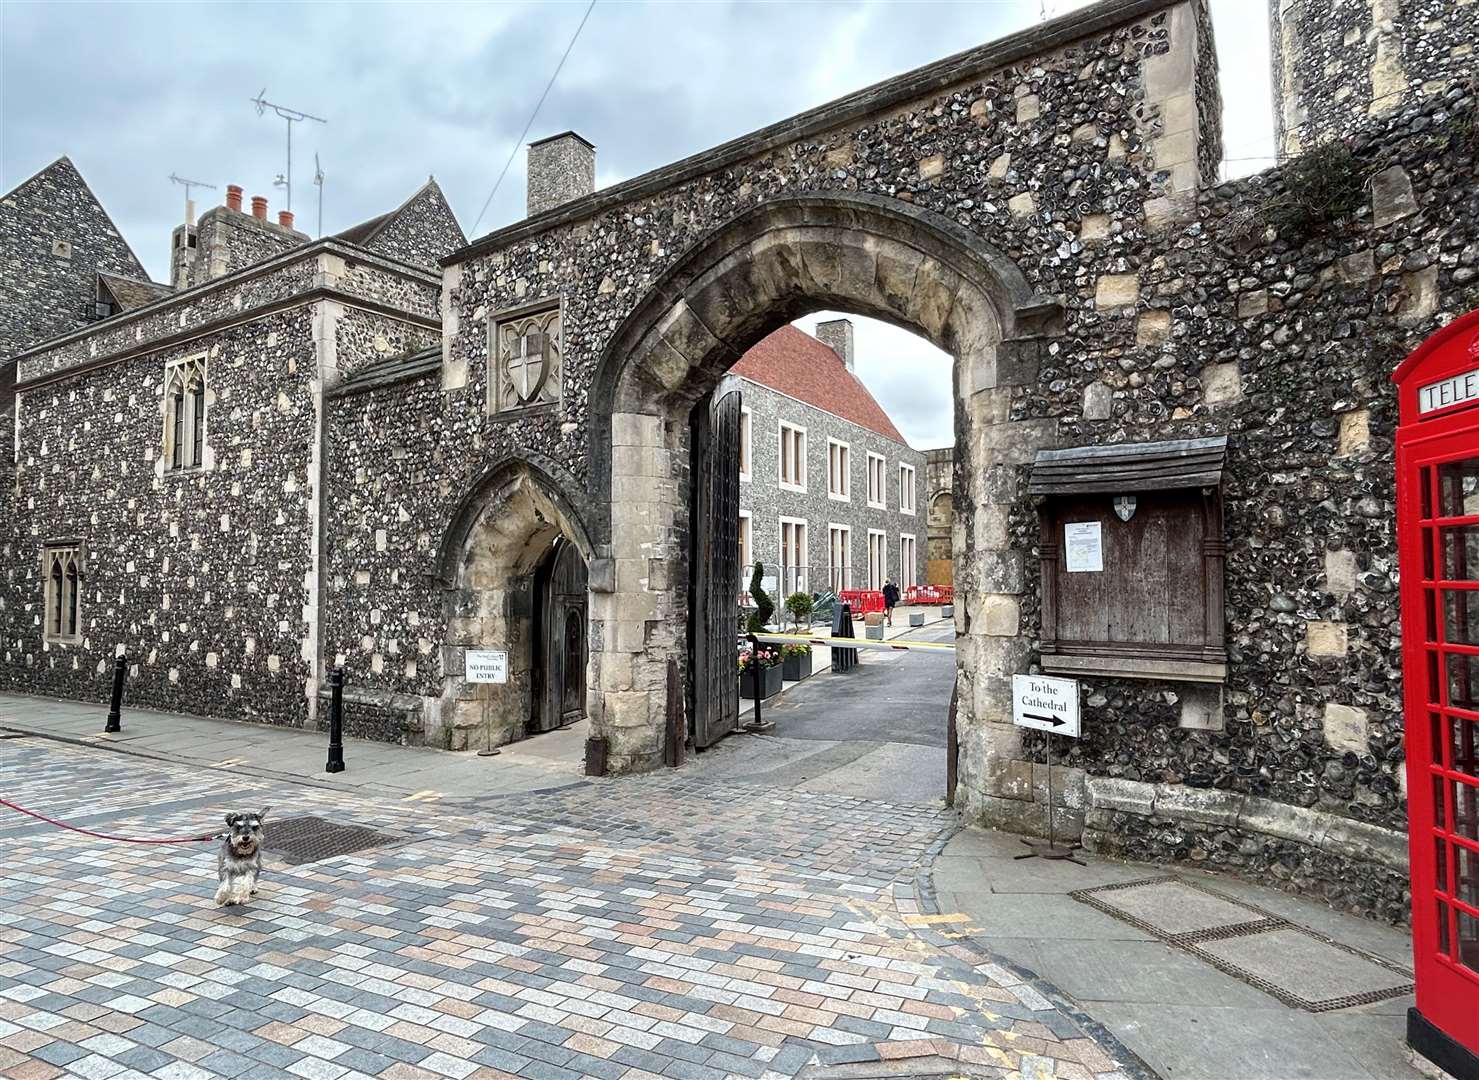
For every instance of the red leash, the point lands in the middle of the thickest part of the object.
(105, 836)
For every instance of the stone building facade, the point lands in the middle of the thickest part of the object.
(1044, 208)
(835, 529)
(940, 515)
(55, 239)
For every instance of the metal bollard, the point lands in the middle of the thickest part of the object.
(115, 706)
(336, 721)
(755, 721)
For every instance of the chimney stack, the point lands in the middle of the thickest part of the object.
(285, 218)
(233, 197)
(259, 207)
(562, 168)
(837, 334)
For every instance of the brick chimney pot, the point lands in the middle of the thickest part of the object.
(233, 196)
(259, 207)
(285, 218)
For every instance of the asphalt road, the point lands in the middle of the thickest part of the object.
(876, 732)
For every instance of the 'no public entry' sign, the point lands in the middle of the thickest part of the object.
(1045, 704)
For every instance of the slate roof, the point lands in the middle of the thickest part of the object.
(132, 293)
(796, 364)
(392, 369)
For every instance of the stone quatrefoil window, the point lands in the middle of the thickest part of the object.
(61, 566)
(528, 366)
(184, 414)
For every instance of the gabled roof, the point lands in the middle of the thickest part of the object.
(66, 163)
(366, 231)
(796, 364)
(131, 293)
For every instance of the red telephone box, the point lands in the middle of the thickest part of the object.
(1438, 549)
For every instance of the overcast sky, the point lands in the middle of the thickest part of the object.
(135, 92)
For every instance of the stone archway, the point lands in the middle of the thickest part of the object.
(784, 258)
(513, 524)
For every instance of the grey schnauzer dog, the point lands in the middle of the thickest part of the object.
(240, 861)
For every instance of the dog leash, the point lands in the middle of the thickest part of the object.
(105, 836)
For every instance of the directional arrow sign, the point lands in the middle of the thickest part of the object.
(1045, 704)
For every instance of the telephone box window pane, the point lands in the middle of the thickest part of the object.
(1461, 616)
(1463, 746)
(1465, 811)
(1441, 863)
(1466, 875)
(1461, 553)
(1445, 939)
(1440, 806)
(1439, 728)
(1425, 485)
(1458, 488)
(1434, 682)
(1430, 608)
(1463, 680)
(1468, 941)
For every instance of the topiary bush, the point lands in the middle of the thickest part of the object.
(764, 605)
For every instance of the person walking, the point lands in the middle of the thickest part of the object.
(890, 598)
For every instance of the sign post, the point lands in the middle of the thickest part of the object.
(1049, 705)
(487, 666)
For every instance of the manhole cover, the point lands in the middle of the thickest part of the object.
(1301, 968)
(1172, 908)
(1294, 966)
(307, 839)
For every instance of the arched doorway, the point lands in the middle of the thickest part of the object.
(874, 257)
(514, 573)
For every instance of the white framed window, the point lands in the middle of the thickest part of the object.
(61, 568)
(877, 480)
(745, 540)
(908, 576)
(877, 558)
(839, 470)
(839, 557)
(793, 458)
(906, 489)
(185, 413)
(793, 558)
(746, 463)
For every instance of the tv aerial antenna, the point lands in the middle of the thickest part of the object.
(292, 116)
(189, 203)
(318, 182)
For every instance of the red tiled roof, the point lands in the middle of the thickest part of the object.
(794, 363)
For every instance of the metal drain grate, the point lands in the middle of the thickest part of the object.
(307, 839)
(1300, 967)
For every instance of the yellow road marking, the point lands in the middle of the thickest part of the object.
(932, 920)
(429, 795)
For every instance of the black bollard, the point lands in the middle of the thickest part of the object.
(336, 721)
(755, 722)
(115, 706)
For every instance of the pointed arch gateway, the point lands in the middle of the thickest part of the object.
(512, 568)
(782, 259)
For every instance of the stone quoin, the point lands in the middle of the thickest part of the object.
(402, 463)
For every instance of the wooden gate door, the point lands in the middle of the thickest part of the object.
(561, 628)
(713, 626)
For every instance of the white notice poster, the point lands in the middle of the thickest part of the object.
(1083, 547)
(487, 666)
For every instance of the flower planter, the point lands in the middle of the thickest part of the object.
(770, 684)
(796, 668)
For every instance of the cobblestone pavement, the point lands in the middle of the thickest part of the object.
(670, 925)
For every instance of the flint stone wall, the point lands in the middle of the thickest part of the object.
(422, 231)
(1301, 329)
(1338, 67)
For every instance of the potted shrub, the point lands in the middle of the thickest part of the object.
(768, 662)
(799, 605)
(795, 662)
